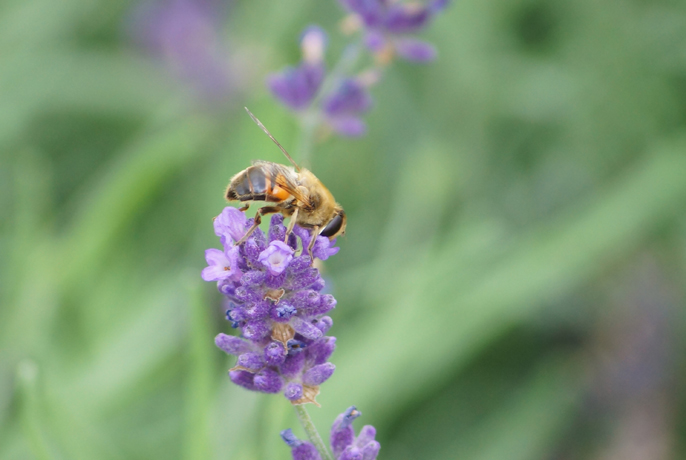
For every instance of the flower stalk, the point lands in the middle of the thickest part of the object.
(312, 433)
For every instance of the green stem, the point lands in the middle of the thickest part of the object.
(311, 431)
(308, 126)
(311, 119)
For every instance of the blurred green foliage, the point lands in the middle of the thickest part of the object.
(512, 281)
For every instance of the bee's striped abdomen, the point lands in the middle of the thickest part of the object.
(256, 184)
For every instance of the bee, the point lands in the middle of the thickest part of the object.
(294, 191)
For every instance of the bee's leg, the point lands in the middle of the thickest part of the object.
(315, 234)
(258, 219)
(291, 224)
(244, 207)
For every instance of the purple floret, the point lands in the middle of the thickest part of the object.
(323, 247)
(344, 106)
(296, 87)
(222, 265)
(230, 225)
(301, 450)
(387, 26)
(276, 257)
(345, 445)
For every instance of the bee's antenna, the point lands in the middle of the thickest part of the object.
(259, 123)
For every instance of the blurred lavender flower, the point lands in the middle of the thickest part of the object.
(387, 25)
(296, 87)
(344, 444)
(343, 107)
(275, 300)
(186, 35)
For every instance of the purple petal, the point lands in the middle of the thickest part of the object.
(342, 433)
(324, 324)
(230, 225)
(293, 365)
(277, 231)
(305, 328)
(257, 310)
(251, 361)
(256, 330)
(216, 257)
(318, 374)
(214, 273)
(406, 18)
(243, 379)
(350, 98)
(301, 263)
(252, 249)
(268, 381)
(415, 50)
(219, 266)
(323, 248)
(365, 436)
(320, 351)
(348, 126)
(293, 391)
(276, 257)
(371, 11)
(231, 345)
(371, 450)
(351, 453)
(304, 279)
(375, 40)
(326, 304)
(305, 299)
(300, 450)
(253, 278)
(296, 87)
(305, 451)
(275, 354)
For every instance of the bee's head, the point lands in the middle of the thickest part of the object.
(336, 225)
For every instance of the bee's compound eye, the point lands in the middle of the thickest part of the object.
(333, 227)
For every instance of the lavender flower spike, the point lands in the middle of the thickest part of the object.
(274, 300)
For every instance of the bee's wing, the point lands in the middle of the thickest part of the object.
(284, 177)
(287, 179)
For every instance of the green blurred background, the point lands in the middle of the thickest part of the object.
(511, 285)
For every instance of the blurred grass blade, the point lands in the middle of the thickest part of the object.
(126, 187)
(31, 417)
(67, 79)
(200, 375)
(527, 426)
(549, 261)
